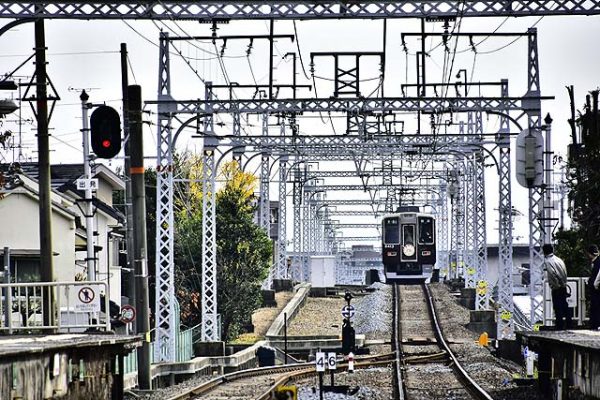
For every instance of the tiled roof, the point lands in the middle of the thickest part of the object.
(60, 174)
(63, 177)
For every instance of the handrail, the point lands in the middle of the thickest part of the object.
(76, 303)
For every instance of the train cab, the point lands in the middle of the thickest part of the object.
(408, 246)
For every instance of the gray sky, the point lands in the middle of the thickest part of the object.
(84, 54)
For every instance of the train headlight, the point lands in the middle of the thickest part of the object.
(408, 250)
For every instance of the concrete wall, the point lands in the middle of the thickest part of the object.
(291, 309)
(57, 376)
(104, 192)
(19, 213)
(105, 258)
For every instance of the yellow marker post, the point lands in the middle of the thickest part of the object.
(484, 340)
(286, 393)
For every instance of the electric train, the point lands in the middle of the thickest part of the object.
(408, 246)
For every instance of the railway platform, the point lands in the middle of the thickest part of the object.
(565, 359)
(81, 366)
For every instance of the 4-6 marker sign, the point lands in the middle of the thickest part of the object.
(320, 361)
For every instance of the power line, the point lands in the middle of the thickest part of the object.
(74, 53)
(299, 51)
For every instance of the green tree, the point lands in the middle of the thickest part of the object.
(583, 180)
(570, 246)
(243, 251)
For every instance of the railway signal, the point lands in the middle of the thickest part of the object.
(529, 167)
(105, 132)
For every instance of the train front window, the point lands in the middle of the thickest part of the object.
(408, 234)
(408, 240)
(426, 231)
(391, 231)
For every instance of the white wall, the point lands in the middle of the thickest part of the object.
(19, 213)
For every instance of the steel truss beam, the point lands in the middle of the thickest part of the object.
(426, 174)
(470, 220)
(353, 105)
(443, 255)
(297, 244)
(357, 226)
(352, 213)
(348, 141)
(253, 9)
(210, 329)
(264, 205)
(359, 238)
(505, 326)
(404, 187)
(482, 298)
(537, 235)
(305, 237)
(165, 228)
(355, 202)
(458, 213)
(282, 268)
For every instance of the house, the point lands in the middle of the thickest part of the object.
(520, 273)
(19, 210)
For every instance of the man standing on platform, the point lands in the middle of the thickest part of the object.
(556, 275)
(594, 286)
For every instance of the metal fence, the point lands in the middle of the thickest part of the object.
(184, 351)
(58, 306)
(577, 301)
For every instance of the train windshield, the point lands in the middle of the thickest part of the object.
(391, 232)
(426, 231)
(408, 234)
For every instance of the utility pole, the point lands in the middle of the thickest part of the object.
(45, 206)
(128, 207)
(139, 233)
(89, 215)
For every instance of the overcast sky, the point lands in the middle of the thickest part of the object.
(85, 54)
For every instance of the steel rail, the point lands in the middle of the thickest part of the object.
(397, 344)
(302, 368)
(206, 387)
(294, 376)
(472, 386)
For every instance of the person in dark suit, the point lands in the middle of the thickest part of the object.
(593, 286)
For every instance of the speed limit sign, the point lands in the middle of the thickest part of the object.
(320, 361)
(331, 361)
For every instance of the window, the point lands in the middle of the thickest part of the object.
(426, 231)
(408, 234)
(391, 231)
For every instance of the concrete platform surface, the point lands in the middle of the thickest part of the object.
(587, 339)
(19, 345)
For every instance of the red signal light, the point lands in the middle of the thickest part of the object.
(105, 132)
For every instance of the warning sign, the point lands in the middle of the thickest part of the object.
(88, 299)
(127, 313)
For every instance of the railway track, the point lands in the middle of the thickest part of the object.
(426, 367)
(260, 383)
